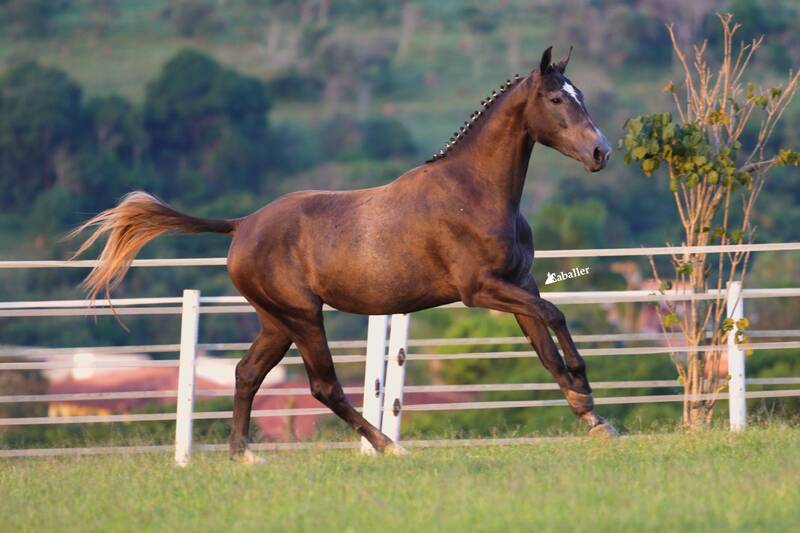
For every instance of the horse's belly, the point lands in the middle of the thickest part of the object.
(387, 292)
(389, 306)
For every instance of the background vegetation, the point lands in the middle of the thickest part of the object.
(221, 106)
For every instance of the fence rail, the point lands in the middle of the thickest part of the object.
(385, 359)
(540, 254)
(119, 307)
(51, 353)
(303, 391)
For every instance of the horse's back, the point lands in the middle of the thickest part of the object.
(360, 250)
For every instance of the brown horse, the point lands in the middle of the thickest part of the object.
(444, 231)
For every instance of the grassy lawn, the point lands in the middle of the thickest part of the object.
(701, 482)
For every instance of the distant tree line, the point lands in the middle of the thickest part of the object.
(201, 131)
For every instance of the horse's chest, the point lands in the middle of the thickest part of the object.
(508, 255)
(517, 262)
(516, 258)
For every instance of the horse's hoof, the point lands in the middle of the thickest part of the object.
(603, 430)
(394, 449)
(247, 457)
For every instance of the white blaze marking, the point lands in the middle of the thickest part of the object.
(570, 90)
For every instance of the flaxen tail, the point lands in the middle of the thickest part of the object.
(138, 219)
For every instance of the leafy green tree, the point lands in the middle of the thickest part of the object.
(207, 127)
(117, 129)
(42, 123)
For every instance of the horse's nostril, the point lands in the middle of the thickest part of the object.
(599, 155)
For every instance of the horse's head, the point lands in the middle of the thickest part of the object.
(557, 116)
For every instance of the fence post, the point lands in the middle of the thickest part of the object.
(395, 376)
(183, 421)
(373, 375)
(737, 405)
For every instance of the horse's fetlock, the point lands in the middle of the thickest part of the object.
(581, 403)
(237, 445)
(577, 368)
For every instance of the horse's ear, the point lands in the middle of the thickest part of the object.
(561, 66)
(547, 57)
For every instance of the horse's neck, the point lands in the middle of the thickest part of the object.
(499, 149)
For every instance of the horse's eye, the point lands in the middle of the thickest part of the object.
(556, 100)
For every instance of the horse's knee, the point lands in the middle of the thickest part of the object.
(555, 318)
(319, 394)
(327, 392)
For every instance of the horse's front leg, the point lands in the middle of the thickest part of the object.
(558, 323)
(534, 315)
(578, 397)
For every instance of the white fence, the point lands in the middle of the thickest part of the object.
(385, 365)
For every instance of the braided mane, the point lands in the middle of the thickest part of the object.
(486, 103)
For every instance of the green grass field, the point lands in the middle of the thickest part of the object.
(668, 482)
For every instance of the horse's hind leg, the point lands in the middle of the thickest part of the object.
(325, 386)
(268, 349)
